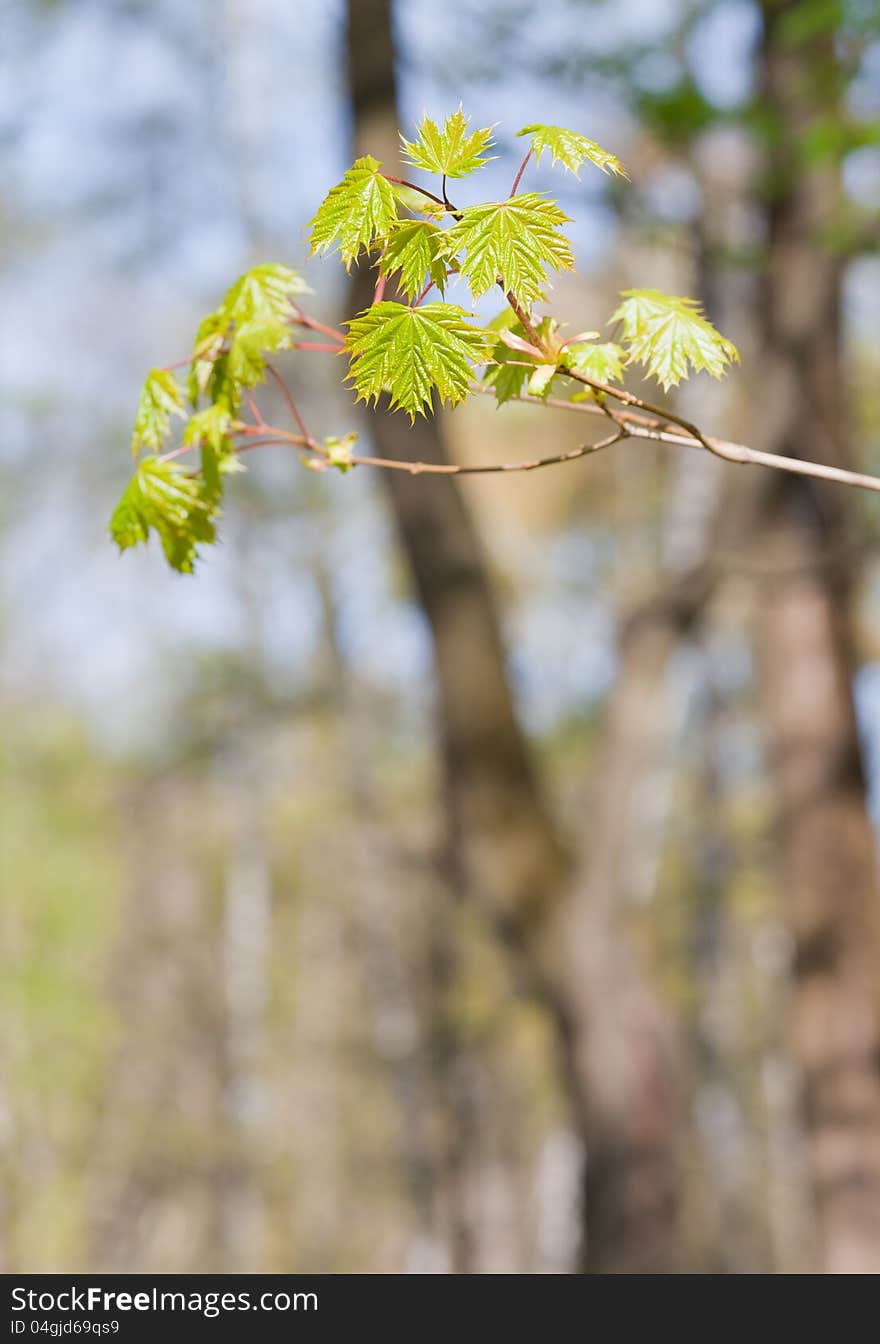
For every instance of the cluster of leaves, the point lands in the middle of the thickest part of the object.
(229, 357)
(412, 351)
(415, 352)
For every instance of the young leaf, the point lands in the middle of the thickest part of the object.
(603, 362)
(339, 451)
(505, 371)
(262, 294)
(513, 241)
(206, 348)
(253, 318)
(509, 367)
(209, 429)
(163, 496)
(571, 149)
(358, 212)
(410, 351)
(208, 426)
(218, 462)
(161, 397)
(450, 152)
(415, 250)
(667, 334)
(249, 343)
(539, 382)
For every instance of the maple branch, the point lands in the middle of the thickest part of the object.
(523, 317)
(647, 421)
(652, 425)
(643, 427)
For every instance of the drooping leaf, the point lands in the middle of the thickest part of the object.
(603, 361)
(164, 497)
(513, 241)
(410, 351)
(570, 149)
(414, 251)
(218, 462)
(358, 212)
(209, 431)
(243, 362)
(161, 397)
(211, 426)
(252, 319)
(262, 293)
(248, 346)
(206, 348)
(450, 152)
(669, 335)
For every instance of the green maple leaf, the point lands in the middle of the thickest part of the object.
(603, 361)
(450, 152)
(161, 397)
(669, 335)
(410, 351)
(415, 250)
(571, 149)
(358, 212)
(163, 497)
(513, 241)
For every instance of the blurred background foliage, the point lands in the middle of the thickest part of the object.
(339, 934)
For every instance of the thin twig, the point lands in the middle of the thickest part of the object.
(423, 294)
(402, 182)
(518, 178)
(291, 406)
(486, 468)
(255, 410)
(280, 436)
(303, 320)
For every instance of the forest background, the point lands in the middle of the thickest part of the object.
(451, 876)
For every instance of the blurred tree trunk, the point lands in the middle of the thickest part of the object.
(827, 841)
(622, 1043)
(398, 1029)
(502, 846)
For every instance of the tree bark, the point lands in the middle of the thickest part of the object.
(503, 849)
(828, 846)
